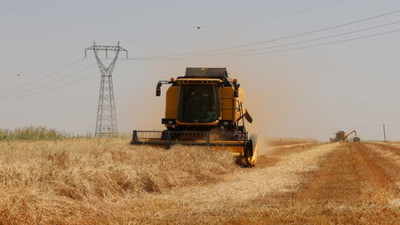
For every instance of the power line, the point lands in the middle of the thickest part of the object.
(273, 40)
(190, 30)
(51, 89)
(48, 83)
(44, 77)
(38, 68)
(54, 88)
(55, 59)
(261, 13)
(287, 14)
(323, 29)
(186, 32)
(312, 46)
(333, 42)
(315, 39)
(277, 51)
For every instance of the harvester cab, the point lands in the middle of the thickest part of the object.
(205, 108)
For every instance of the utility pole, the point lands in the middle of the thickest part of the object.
(384, 132)
(106, 123)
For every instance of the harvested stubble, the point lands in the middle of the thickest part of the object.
(93, 181)
(354, 184)
(289, 141)
(110, 182)
(220, 202)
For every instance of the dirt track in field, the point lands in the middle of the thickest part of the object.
(297, 184)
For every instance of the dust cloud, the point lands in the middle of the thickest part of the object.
(271, 99)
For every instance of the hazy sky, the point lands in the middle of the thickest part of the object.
(308, 67)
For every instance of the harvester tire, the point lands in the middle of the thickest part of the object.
(251, 158)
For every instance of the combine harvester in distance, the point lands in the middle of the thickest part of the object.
(342, 136)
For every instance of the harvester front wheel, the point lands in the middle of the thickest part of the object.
(251, 148)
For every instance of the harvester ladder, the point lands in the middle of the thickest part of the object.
(241, 113)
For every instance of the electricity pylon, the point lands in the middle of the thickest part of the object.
(106, 123)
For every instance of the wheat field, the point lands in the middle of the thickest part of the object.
(89, 181)
(109, 181)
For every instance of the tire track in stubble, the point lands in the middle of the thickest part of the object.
(221, 201)
(278, 152)
(354, 173)
(355, 184)
(388, 159)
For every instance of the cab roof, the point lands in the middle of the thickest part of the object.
(201, 72)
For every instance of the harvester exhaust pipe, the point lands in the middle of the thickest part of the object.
(158, 89)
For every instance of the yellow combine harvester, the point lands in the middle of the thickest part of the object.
(342, 136)
(205, 108)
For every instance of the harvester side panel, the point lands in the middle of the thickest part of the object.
(227, 100)
(230, 105)
(171, 102)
